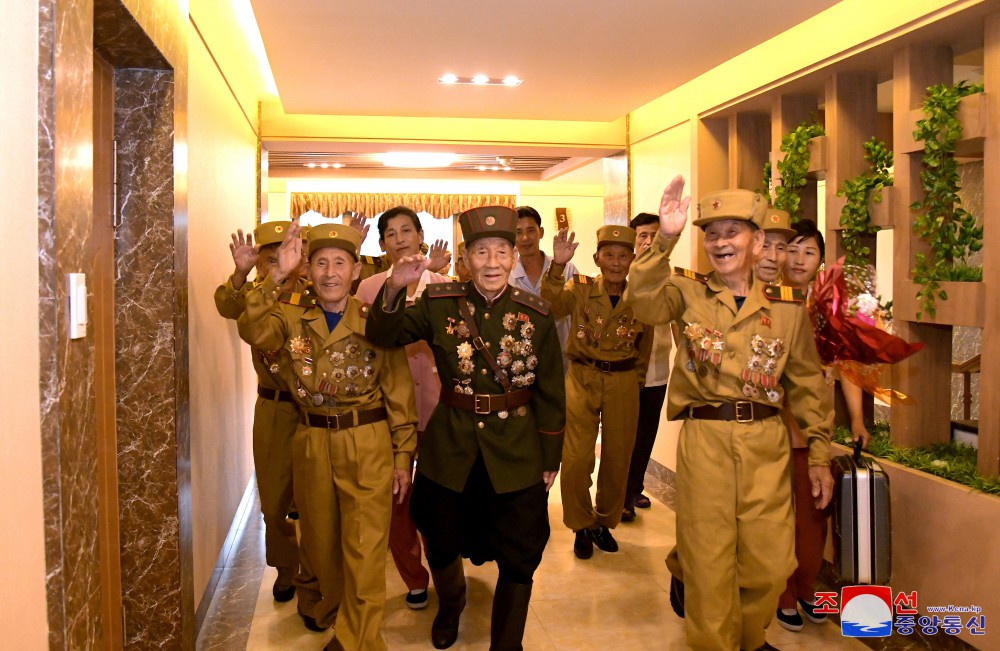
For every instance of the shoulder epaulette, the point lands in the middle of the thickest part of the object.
(693, 275)
(295, 298)
(784, 294)
(538, 303)
(582, 279)
(375, 261)
(444, 290)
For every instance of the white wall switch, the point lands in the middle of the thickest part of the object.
(77, 306)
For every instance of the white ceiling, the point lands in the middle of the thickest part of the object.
(582, 60)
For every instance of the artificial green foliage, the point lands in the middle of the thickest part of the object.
(941, 222)
(953, 461)
(794, 167)
(855, 220)
(766, 190)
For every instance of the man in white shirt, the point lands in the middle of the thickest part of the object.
(652, 393)
(532, 263)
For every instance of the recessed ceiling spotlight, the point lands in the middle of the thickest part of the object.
(480, 80)
(337, 165)
(310, 164)
(482, 168)
(506, 168)
(417, 159)
(495, 168)
(324, 165)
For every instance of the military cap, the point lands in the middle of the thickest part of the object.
(271, 232)
(741, 205)
(488, 221)
(776, 221)
(304, 233)
(341, 236)
(613, 234)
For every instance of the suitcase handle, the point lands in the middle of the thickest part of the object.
(857, 451)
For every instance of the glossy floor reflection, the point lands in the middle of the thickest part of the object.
(611, 601)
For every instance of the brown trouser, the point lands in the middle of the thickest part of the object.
(343, 490)
(609, 401)
(735, 529)
(810, 534)
(274, 425)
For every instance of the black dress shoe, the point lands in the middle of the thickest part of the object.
(603, 539)
(282, 595)
(628, 514)
(311, 624)
(583, 546)
(677, 596)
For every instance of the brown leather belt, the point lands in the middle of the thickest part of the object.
(345, 420)
(485, 403)
(274, 394)
(607, 367)
(743, 411)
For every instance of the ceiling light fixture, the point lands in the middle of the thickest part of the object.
(506, 168)
(310, 164)
(337, 165)
(482, 168)
(416, 159)
(480, 80)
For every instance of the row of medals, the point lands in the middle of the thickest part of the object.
(625, 330)
(510, 349)
(705, 346)
(352, 363)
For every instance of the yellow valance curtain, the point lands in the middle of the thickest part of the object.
(441, 206)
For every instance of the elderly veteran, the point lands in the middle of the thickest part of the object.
(352, 450)
(745, 346)
(491, 449)
(608, 352)
(275, 414)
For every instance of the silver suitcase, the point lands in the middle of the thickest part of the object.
(862, 528)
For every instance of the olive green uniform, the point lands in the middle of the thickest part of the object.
(343, 472)
(608, 349)
(516, 445)
(275, 418)
(735, 528)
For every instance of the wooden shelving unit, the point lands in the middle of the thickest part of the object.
(844, 99)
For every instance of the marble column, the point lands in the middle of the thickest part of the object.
(65, 207)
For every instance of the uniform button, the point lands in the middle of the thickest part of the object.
(517, 293)
(482, 371)
(480, 425)
(486, 315)
(487, 344)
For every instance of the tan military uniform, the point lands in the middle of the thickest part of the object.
(608, 349)
(343, 471)
(275, 417)
(734, 508)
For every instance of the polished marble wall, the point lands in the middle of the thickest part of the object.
(65, 201)
(151, 320)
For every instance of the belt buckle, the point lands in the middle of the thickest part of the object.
(604, 367)
(475, 404)
(739, 405)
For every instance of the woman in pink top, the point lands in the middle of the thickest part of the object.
(805, 253)
(400, 234)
